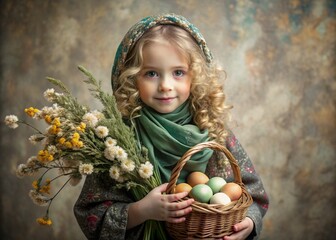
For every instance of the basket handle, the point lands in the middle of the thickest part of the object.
(183, 160)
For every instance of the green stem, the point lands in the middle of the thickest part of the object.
(59, 190)
(51, 199)
(32, 127)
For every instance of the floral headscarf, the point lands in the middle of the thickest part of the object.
(135, 32)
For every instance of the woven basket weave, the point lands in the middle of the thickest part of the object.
(209, 221)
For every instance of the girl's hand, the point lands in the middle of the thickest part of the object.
(164, 207)
(241, 230)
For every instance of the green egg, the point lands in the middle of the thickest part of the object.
(201, 193)
(216, 184)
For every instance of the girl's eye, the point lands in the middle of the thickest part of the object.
(151, 74)
(179, 73)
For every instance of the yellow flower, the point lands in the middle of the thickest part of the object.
(81, 127)
(50, 157)
(35, 184)
(74, 141)
(31, 111)
(76, 135)
(56, 122)
(45, 156)
(43, 189)
(46, 187)
(76, 144)
(40, 155)
(68, 144)
(44, 221)
(62, 140)
(79, 144)
(53, 129)
(48, 119)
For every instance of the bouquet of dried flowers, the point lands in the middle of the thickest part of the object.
(78, 142)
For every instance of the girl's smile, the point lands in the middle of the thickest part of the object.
(166, 100)
(164, 81)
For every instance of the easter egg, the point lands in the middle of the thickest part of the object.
(182, 187)
(201, 193)
(216, 184)
(233, 190)
(195, 178)
(220, 198)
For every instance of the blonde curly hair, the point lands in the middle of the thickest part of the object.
(206, 94)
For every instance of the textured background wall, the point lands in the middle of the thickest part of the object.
(280, 59)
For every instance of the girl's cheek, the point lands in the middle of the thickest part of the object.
(145, 92)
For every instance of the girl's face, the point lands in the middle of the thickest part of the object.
(164, 80)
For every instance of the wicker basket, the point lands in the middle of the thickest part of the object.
(209, 221)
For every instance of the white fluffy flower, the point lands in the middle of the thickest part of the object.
(39, 115)
(32, 162)
(57, 110)
(38, 198)
(85, 168)
(47, 111)
(110, 142)
(90, 119)
(120, 153)
(127, 165)
(99, 115)
(28, 169)
(33, 139)
(121, 179)
(110, 153)
(49, 94)
(101, 131)
(114, 172)
(113, 152)
(21, 171)
(52, 149)
(11, 121)
(146, 170)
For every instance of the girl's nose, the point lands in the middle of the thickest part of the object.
(166, 84)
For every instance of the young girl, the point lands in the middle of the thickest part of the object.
(166, 84)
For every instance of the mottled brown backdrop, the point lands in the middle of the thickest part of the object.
(280, 61)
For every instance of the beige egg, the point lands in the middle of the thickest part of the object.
(220, 198)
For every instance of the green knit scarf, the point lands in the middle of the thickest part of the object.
(168, 136)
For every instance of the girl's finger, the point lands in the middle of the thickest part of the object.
(178, 216)
(162, 188)
(242, 225)
(176, 220)
(179, 213)
(180, 205)
(176, 196)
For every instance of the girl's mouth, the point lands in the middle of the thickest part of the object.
(165, 99)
